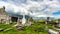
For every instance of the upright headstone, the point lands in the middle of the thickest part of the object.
(17, 24)
(46, 22)
(59, 23)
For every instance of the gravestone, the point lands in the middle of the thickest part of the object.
(52, 31)
(58, 23)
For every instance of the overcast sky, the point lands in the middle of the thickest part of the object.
(32, 7)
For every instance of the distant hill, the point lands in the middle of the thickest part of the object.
(20, 16)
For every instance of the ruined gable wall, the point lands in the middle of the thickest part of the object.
(3, 15)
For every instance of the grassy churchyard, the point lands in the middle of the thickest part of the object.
(35, 28)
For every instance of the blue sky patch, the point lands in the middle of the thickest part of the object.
(56, 13)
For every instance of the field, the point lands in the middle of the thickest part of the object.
(36, 28)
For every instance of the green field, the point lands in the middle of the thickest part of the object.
(36, 28)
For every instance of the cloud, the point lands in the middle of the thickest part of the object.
(8, 7)
(12, 8)
(45, 7)
(32, 7)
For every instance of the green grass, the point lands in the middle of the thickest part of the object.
(40, 29)
(5, 26)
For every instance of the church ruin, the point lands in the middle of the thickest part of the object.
(4, 17)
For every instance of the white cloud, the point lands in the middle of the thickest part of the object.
(39, 8)
(12, 8)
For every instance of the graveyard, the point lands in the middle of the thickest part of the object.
(16, 25)
(29, 16)
(37, 27)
